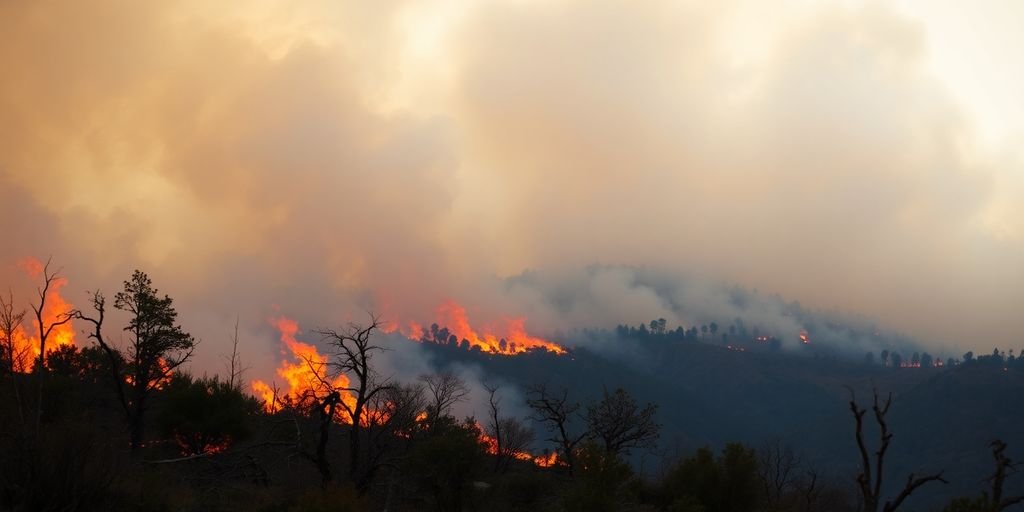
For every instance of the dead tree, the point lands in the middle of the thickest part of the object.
(809, 490)
(325, 409)
(620, 424)
(511, 437)
(352, 352)
(558, 413)
(870, 478)
(12, 357)
(444, 390)
(49, 278)
(777, 467)
(1003, 463)
(233, 362)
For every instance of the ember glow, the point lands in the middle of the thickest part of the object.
(26, 345)
(301, 371)
(163, 379)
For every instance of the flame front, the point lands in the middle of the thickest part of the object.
(25, 346)
(491, 447)
(515, 340)
(304, 371)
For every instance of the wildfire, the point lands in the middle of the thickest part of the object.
(511, 340)
(547, 461)
(161, 379)
(25, 347)
(491, 447)
(303, 371)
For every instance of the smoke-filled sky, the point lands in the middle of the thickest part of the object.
(329, 157)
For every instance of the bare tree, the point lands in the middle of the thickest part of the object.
(511, 437)
(12, 358)
(49, 278)
(810, 490)
(393, 421)
(1003, 463)
(352, 352)
(777, 467)
(444, 390)
(233, 362)
(869, 480)
(620, 424)
(157, 346)
(558, 413)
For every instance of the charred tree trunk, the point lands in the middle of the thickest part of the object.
(1003, 463)
(326, 409)
(355, 446)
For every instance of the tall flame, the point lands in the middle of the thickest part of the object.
(303, 370)
(25, 345)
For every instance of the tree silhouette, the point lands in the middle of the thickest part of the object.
(157, 347)
(557, 413)
(49, 279)
(444, 390)
(869, 480)
(620, 424)
(510, 436)
(352, 351)
(12, 358)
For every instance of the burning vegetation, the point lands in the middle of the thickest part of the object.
(52, 326)
(301, 371)
(328, 417)
(452, 327)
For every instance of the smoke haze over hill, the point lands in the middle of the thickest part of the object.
(578, 164)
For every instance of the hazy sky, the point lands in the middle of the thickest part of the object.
(324, 157)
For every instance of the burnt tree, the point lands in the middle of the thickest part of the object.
(1003, 463)
(870, 477)
(511, 437)
(557, 412)
(352, 350)
(12, 358)
(50, 279)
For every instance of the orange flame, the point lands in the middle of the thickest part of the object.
(547, 461)
(161, 380)
(304, 373)
(25, 346)
(491, 447)
(512, 339)
(515, 339)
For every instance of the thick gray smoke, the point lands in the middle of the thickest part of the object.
(339, 157)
